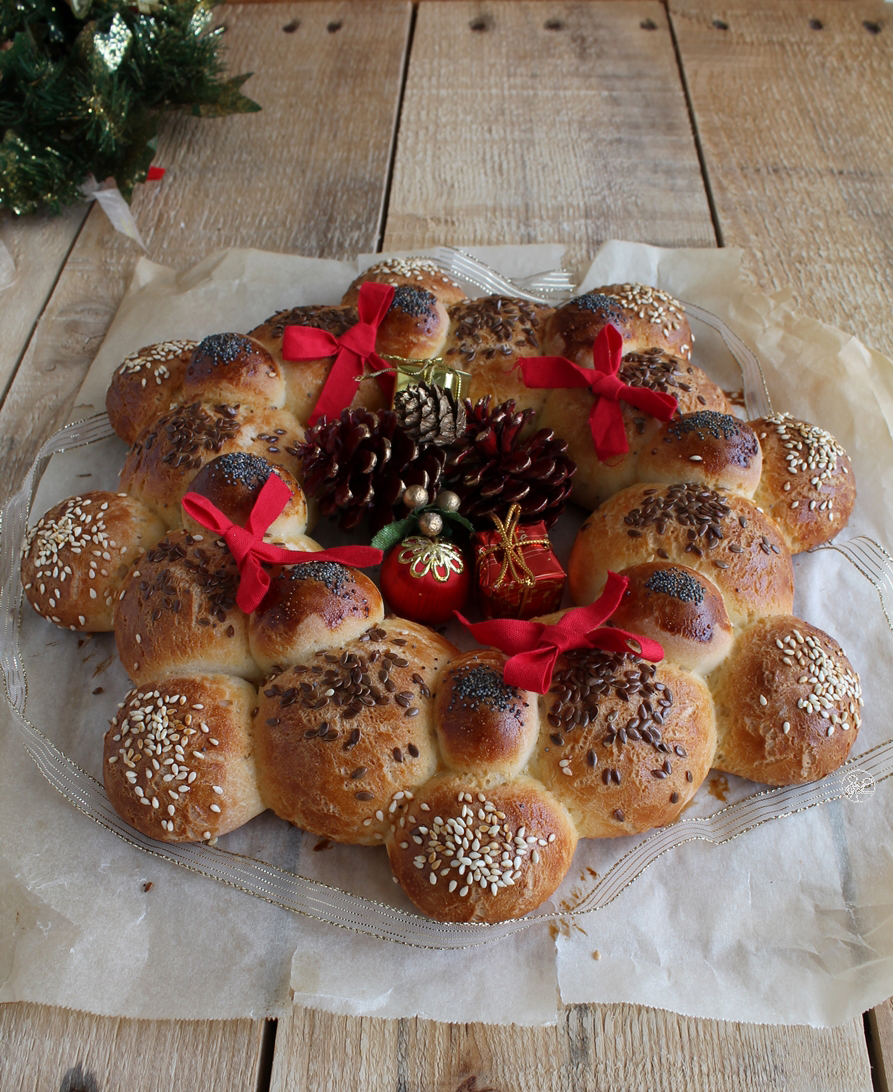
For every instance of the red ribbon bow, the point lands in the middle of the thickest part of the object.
(352, 351)
(605, 417)
(533, 647)
(247, 545)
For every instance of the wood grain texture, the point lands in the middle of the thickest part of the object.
(38, 246)
(307, 174)
(880, 1021)
(618, 1048)
(523, 123)
(793, 104)
(55, 1050)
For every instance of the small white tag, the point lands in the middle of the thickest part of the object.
(115, 208)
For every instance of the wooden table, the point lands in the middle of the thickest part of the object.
(696, 123)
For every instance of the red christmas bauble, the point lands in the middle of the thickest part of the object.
(425, 579)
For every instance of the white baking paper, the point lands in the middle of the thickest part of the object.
(788, 923)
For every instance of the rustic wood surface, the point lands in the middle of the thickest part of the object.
(307, 175)
(587, 109)
(574, 109)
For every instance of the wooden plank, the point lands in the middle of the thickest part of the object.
(793, 105)
(46, 1048)
(612, 1048)
(880, 1022)
(38, 247)
(523, 123)
(300, 176)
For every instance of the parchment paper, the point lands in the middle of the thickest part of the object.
(789, 923)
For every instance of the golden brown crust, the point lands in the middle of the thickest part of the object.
(807, 485)
(680, 609)
(148, 383)
(721, 535)
(414, 272)
(632, 749)
(236, 369)
(78, 555)
(344, 739)
(788, 704)
(715, 449)
(415, 326)
(177, 612)
(567, 412)
(646, 318)
(484, 725)
(487, 338)
(178, 762)
(311, 606)
(474, 853)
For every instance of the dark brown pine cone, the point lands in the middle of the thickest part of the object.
(430, 414)
(491, 468)
(360, 464)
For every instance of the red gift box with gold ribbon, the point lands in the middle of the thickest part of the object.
(517, 573)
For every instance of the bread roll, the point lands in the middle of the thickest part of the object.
(485, 726)
(234, 369)
(646, 317)
(77, 556)
(711, 448)
(681, 610)
(624, 743)
(147, 384)
(177, 612)
(567, 412)
(788, 704)
(807, 485)
(487, 338)
(415, 326)
(723, 536)
(414, 272)
(473, 853)
(178, 760)
(346, 736)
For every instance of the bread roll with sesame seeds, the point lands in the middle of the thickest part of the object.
(311, 606)
(345, 737)
(178, 762)
(484, 725)
(415, 272)
(567, 412)
(711, 448)
(680, 609)
(474, 853)
(723, 536)
(629, 752)
(177, 613)
(646, 317)
(487, 338)
(148, 383)
(78, 555)
(232, 484)
(807, 484)
(166, 457)
(788, 704)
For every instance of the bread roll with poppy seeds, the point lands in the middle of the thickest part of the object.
(707, 447)
(788, 704)
(78, 555)
(178, 763)
(807, 484)
(474, 852)
(234, 369)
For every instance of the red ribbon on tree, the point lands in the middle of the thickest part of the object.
(247, 545)
(605, 417)
(353, 351)
(533, 647)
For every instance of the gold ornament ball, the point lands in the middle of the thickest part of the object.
(430, 523)
(415, 496)
(448, 501)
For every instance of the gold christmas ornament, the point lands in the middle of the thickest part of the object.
(430, 523)
(415, 496)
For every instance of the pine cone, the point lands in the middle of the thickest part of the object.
(430, 414)
(493, 469)
(360, 464)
